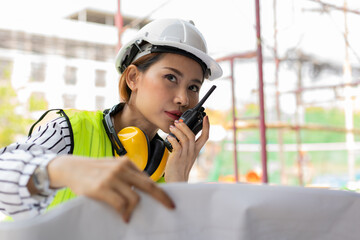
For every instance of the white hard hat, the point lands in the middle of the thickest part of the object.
(171, 36)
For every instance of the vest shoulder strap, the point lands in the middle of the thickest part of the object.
(46, 117)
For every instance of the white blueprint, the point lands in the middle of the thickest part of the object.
(205, 211)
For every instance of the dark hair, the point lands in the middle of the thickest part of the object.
(142, 64)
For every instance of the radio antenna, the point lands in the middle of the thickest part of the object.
(198, 106)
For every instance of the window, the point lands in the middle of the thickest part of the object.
(99, 102)
(70, 75)
(100, 54)
(69, 101)
(37, 72)
(100, 80)
(21, 40)
(6, 40)
(38, 44)
(70, 48)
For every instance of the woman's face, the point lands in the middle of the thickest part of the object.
(167, 89)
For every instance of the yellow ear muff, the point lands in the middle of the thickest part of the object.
(159, 172)
(137, 153)
(137, 147)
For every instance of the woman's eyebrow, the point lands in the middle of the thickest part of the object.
(198, 81)
(175, 70)
(181, 75)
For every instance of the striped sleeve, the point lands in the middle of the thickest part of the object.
(18, 162)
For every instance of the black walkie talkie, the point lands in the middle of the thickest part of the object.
(193, 117)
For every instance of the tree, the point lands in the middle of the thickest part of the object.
(12, 124)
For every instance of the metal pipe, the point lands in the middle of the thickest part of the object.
(341, 85)
(299, 115)
(236, 168)
(261, 96)
(348, 108)
(232, 58)
(119, 24)
(277, 98)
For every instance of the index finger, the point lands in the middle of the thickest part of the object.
(142, 182)
(150, 187)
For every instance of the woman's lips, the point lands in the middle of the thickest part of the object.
(173, 115)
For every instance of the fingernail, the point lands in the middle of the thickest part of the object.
(176, 121)
(172, 126)
(126, 219)
(172, 205)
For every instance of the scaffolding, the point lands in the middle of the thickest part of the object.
(346, 86)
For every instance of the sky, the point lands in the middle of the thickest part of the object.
(229, 27)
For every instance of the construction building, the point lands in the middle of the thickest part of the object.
(67, 63)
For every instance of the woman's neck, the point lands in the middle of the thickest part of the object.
(129, 116)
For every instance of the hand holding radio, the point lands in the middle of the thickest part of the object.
(193, 118)
(185, 147)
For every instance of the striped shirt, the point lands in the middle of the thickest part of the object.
(18, 162)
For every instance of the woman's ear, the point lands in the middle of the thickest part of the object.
(132, 77)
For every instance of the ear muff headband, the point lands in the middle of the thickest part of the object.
(115, 142)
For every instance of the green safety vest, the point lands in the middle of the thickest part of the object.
(89, 139)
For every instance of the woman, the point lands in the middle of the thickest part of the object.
(162, 70)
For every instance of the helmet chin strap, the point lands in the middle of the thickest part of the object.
(133, 52)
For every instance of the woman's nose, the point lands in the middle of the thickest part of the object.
(182, 98)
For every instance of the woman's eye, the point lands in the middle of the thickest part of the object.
(170, 77)
(194, 88)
